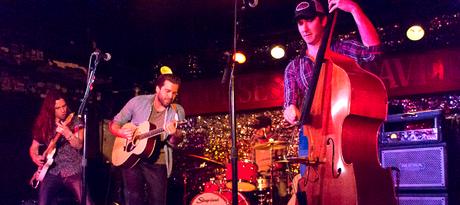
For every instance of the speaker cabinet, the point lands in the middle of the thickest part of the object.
(421, 167)
(423, 150)
(107, 141)
(422, 199)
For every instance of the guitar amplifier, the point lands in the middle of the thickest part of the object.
(412, 128)
(423, 199)
(422, 148)
(417, 167)
(107, 140)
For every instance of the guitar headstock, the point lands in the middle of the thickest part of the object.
(182, 124)
(69, 118)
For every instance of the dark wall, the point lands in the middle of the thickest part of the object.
(17, 114)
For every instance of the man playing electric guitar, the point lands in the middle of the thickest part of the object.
(158, 110)
(64, 169)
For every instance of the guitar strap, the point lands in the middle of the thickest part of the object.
(174, 107)
(168, 156)
(175, 111)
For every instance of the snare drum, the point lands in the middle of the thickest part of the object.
(247, 175)
(224, 198)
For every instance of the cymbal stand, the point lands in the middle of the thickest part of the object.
(271, 175)
(184, 174)
(290, 175)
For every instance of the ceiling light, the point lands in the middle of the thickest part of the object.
(415, 33)
(166, 70)
(277, 52)
(239, 57)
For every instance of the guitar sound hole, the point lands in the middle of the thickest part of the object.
(130, 147)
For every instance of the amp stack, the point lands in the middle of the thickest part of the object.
(422, 148)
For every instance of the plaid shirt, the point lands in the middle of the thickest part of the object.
(298, 72)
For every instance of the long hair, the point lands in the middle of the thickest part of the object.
(45, 123)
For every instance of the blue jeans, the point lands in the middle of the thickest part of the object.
(51, 184)
(303, 150)
(135, 179)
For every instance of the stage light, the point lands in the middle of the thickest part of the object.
(239, 57)
(166, 70)
(415, 33)
(277, 52)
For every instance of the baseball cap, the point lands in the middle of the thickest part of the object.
(307, 10)
(261, 121)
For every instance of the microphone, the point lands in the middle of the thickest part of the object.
(256, 2)
(105, 56)
(227, 67)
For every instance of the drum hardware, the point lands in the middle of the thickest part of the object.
(215, 184)
(216, 188)
(184, 175)
(272, 145)
(263, 183)
(262, 198)
(205, 159)
(303, 160)
(300, 160)
(203, 165)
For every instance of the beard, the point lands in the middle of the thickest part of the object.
(164, 102)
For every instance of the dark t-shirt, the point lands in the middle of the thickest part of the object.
(157, 118)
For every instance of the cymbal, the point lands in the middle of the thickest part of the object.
(302, 160)
(275, 145)
(206, 159)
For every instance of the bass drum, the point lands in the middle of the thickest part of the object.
(223, 198)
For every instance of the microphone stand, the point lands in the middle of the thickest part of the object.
(229, 68)
(234, 154)
(234, 149)
(82, 113)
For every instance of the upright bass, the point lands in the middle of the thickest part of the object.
(341, 115)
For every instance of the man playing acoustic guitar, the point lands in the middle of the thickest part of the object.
(157, 110)
(60, 165)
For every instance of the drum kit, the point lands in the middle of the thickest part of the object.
(253, 187)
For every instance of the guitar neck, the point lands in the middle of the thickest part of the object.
(55, 139)
(157, 131)
(151, 133)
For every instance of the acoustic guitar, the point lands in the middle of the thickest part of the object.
(127, 153)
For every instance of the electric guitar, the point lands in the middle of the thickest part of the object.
(127, 153)
(49, 153)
